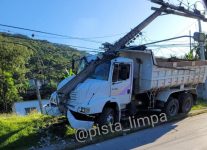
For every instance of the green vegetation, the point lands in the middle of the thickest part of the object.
(34, 130)
(195, 53)
(12, 70)
(201, 104)
(23, 58)
(190, 55)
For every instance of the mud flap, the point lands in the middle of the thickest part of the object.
(78, 124)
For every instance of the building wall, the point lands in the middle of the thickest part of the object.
(20, 107)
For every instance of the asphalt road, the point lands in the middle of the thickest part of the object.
(187, 134)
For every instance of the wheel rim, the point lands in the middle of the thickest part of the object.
(110, 119)
(187, 105)
(173, 109)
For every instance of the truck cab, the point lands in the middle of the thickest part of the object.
(108, 87)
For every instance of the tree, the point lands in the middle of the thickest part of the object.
(12, 72)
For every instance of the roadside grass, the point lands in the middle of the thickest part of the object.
(201, 104)
(34, 130)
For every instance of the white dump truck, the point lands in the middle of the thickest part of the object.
(133, 81)
(124, 80)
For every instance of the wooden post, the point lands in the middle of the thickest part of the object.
(38, 96)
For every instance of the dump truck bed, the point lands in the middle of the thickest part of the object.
(151, 73)
(167, 74)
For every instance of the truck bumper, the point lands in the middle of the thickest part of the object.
(78, 124)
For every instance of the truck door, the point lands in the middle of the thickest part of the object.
(122, 82)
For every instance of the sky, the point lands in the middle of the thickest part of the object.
(92, 18)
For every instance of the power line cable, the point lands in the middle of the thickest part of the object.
(171, 45)
(65, 36)
(89, 49)
(107, 36)
(73, 46)
(48, 33)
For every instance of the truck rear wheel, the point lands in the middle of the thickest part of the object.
(107, 117)
(172, 107)
(186, 102)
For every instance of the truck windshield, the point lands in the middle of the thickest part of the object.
(82, 65)
(102, 71)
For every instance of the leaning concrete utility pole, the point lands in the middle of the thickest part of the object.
(201, 44)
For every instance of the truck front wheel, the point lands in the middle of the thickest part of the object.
(106, 117)
(172, 107)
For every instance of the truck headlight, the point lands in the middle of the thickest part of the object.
(84, 109)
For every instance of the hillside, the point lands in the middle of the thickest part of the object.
(23, 59)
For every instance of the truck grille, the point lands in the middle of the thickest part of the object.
(73, 95)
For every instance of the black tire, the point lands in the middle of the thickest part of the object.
(186, 102)
(171, 107)
(107, 117)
